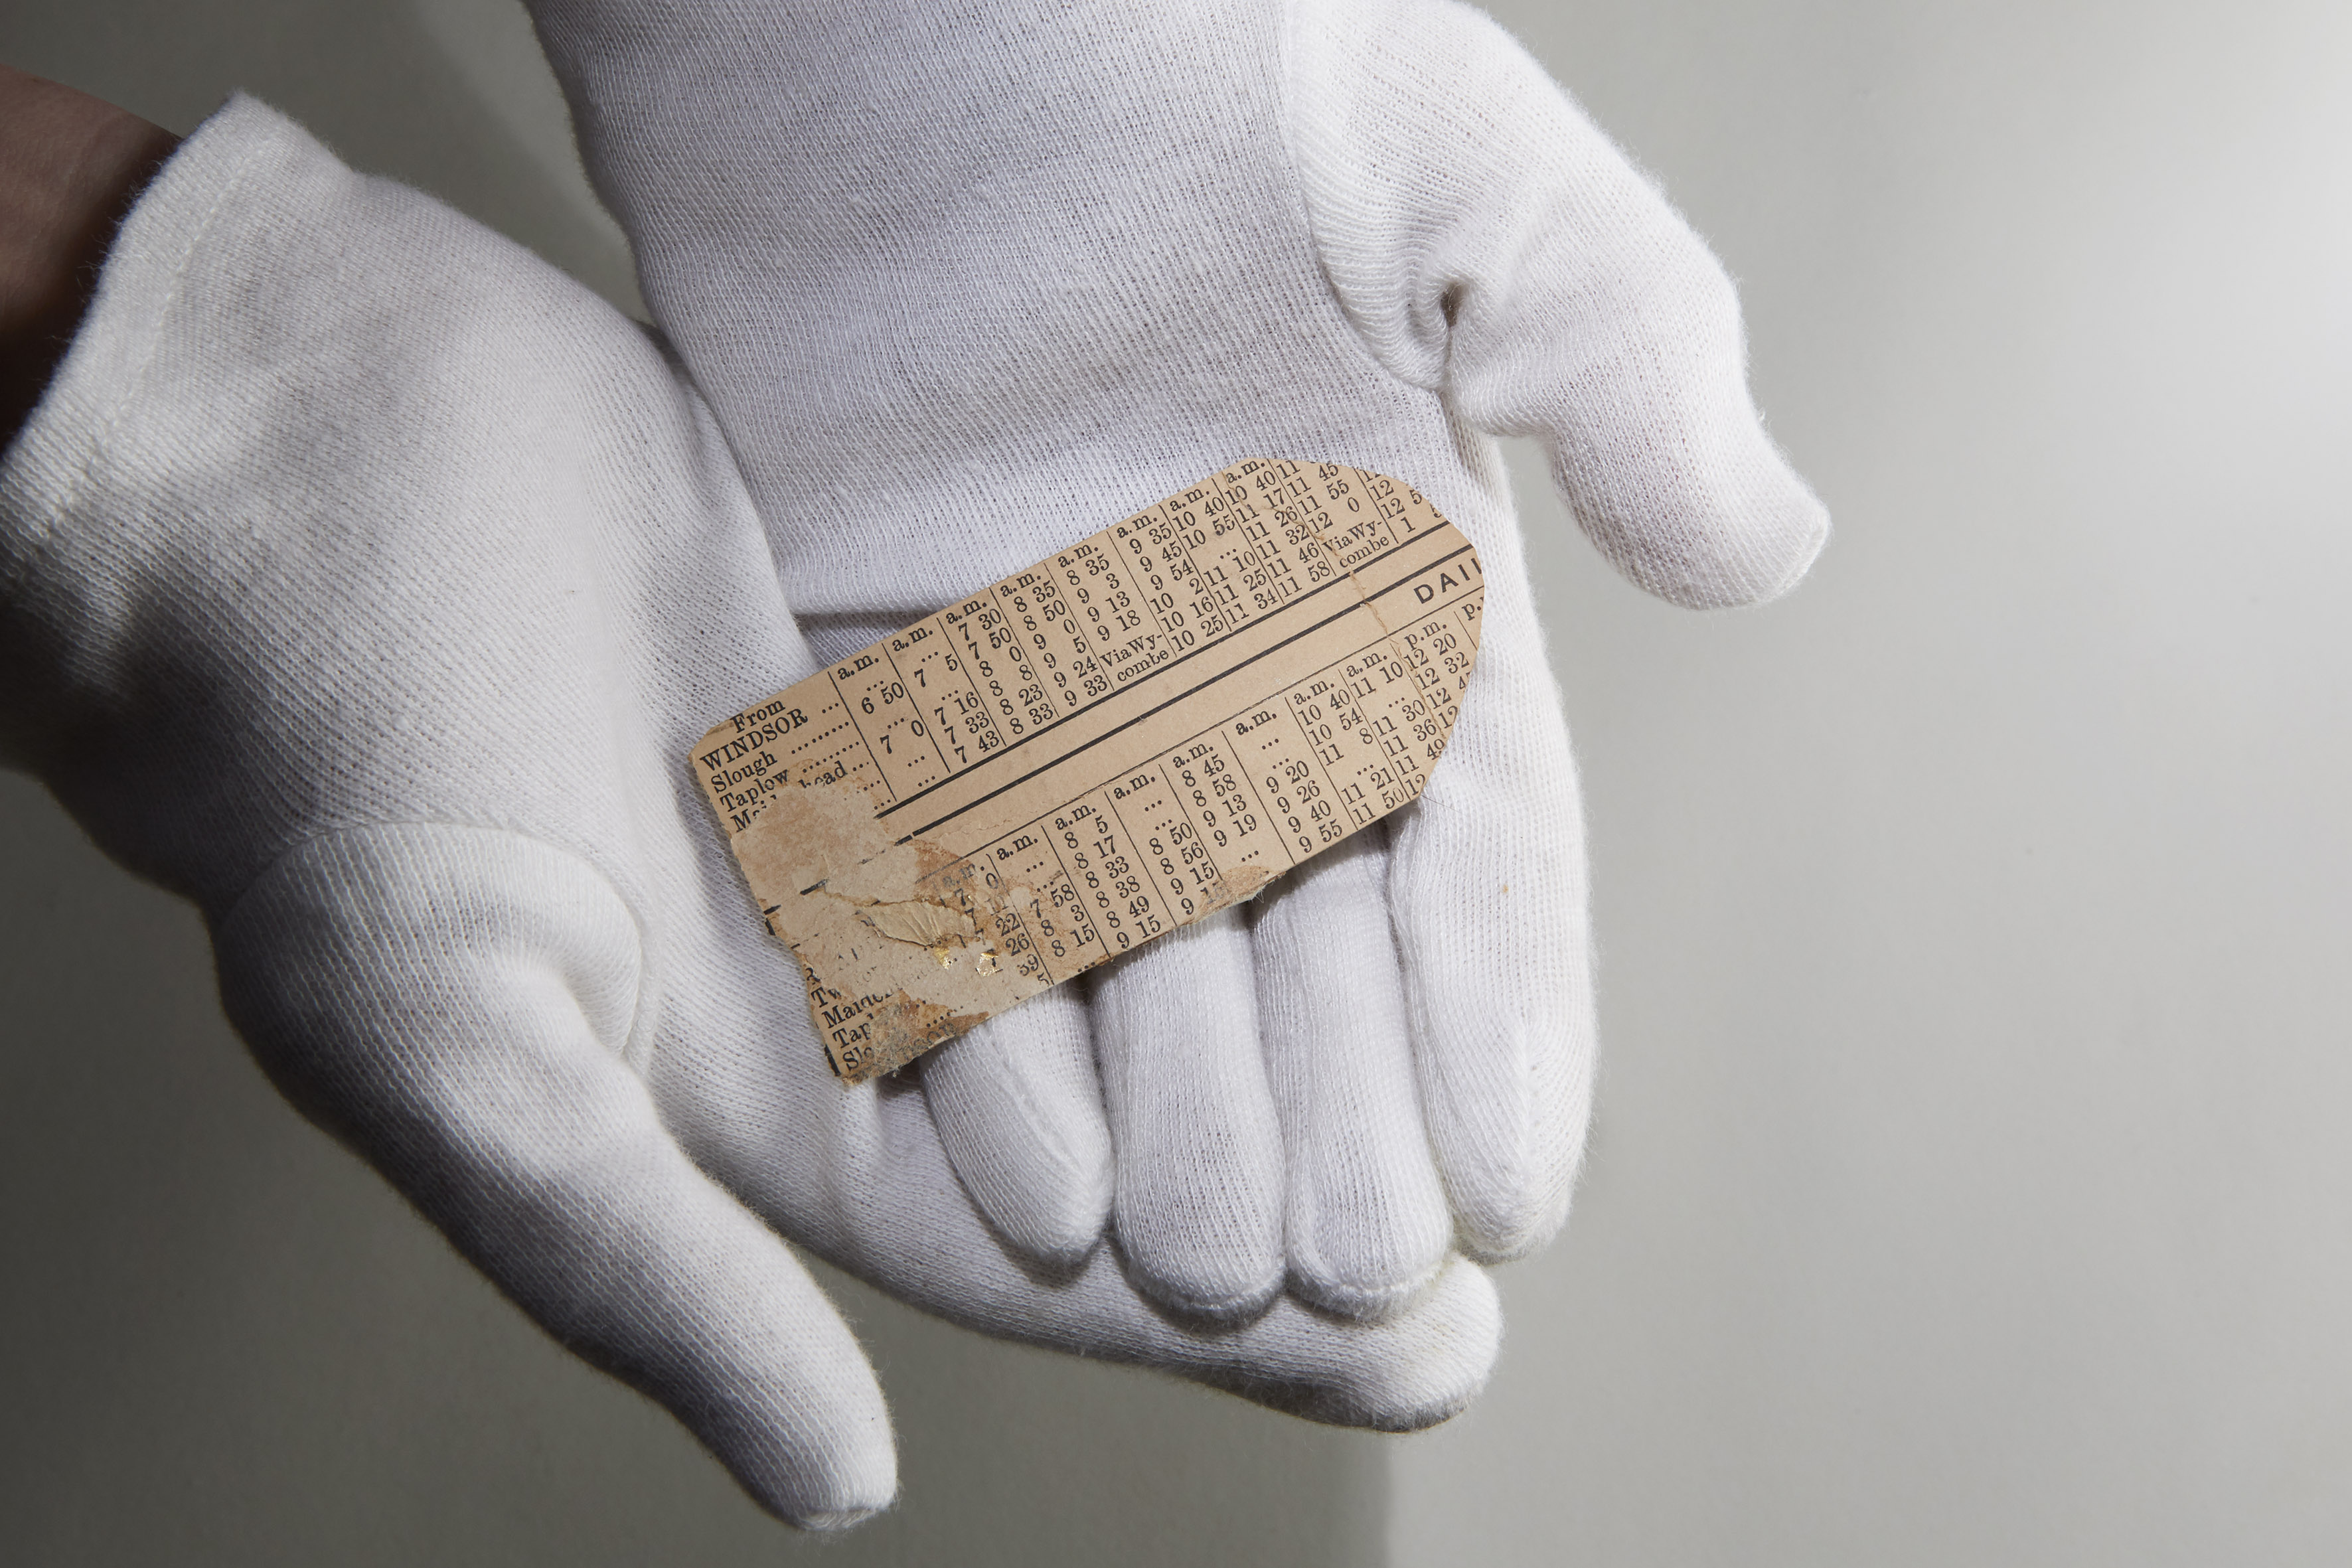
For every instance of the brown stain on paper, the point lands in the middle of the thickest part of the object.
(907, 944)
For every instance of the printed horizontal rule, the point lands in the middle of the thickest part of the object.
(1149, 726)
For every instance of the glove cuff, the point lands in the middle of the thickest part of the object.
(51, 467)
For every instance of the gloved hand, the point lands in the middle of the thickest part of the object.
(921, 259)
(365, 580)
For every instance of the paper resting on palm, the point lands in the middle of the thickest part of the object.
(1139, 731)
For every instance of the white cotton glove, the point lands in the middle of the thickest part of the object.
(366, 580)
(924, 258)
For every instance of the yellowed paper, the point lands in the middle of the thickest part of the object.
(1140, 729)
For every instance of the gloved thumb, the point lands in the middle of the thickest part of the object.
(1616, 338)
(1488, 241)
(453, 1004)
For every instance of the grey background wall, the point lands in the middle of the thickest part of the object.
(1970, 1181)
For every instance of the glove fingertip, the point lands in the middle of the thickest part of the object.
(860, 1480)
(1724, 521)
(1061, 1234)
(1511, 1197)
(825, 1523)
(1505, 1239)
(1213, 1289)
(856, 1487)
(1365, 1303)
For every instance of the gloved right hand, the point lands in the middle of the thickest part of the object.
(365, 580)
(964, 284)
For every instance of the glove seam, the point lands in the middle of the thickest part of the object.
(1040, 1126)
(1286, 54)
(42, 529)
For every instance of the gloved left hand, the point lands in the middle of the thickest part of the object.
(365, 580)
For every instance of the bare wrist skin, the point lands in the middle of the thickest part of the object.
(70, 167)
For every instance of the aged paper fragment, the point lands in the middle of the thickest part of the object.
(1140, 729)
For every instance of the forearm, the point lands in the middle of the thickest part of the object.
(71, 166)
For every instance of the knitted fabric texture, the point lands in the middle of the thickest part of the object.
(963, 283)
(364, 580)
